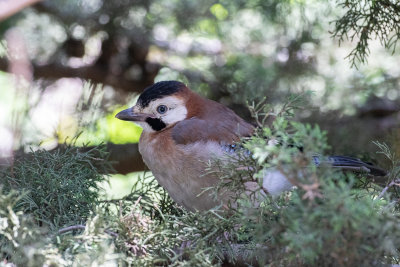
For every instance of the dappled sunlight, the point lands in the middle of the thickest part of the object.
(53, 118)
(55, 108)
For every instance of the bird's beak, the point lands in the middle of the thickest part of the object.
(129, 115)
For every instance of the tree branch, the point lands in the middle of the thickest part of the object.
(126, 158)
(94, 73)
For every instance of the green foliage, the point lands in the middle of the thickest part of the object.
(329, 220)
(338, 229)
(231, 51)
(61, 186)
(95, 246)
(366, 20)
(21, 241)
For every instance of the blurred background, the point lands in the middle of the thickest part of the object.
(68, 66)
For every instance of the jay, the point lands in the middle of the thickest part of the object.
(182, 131)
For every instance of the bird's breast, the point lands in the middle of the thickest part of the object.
(180, 169)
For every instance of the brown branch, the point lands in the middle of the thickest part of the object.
(94, 73)
(126, 158)
(11, 7)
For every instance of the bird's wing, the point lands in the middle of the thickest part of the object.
(224, 132)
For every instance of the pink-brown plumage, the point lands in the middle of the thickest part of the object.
(177, 154)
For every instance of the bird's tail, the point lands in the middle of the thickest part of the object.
(349, 163)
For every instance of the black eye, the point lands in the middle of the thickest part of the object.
(162, 109)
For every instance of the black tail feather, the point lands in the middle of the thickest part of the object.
(349, 163)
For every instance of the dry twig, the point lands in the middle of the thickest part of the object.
(392, 183)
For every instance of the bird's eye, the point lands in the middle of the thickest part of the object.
(162, 109)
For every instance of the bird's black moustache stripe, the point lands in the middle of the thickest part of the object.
(156, 124)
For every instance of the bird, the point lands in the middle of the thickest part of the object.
(182, 131)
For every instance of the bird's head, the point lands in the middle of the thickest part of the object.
(159, 106)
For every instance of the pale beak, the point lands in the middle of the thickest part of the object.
(129, 115)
